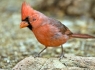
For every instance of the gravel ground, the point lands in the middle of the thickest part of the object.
(16, 43)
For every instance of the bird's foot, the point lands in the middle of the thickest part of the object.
(37, 56)
(62, 56)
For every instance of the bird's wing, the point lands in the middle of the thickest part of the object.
(62, 28)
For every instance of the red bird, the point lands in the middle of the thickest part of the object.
(48, 31)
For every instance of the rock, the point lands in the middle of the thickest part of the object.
(31, 63)
(68, 7)
(69, 63)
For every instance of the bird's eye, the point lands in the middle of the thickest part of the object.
(34, 19)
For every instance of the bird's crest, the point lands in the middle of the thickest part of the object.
(26, 10)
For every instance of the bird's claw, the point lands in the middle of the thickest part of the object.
(37, 56)
(62, 56)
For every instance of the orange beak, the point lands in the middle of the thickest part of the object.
(23, 24)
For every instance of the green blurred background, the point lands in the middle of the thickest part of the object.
(16, 43)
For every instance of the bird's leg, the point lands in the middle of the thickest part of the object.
(62, 54)
(41, 52)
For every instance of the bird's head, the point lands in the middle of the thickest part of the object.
(29, 16)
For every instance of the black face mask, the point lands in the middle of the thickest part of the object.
(27, 20)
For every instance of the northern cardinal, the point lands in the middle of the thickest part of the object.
(48, 31)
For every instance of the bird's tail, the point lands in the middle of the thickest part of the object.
(85, 36)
